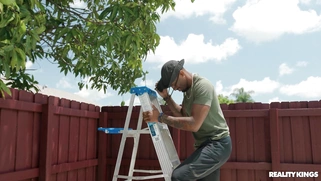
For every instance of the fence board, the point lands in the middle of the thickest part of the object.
(91, 144)
(315, 125)
(54, 134)
(45, 148)
(73, 141)
(232, 126)
(242, 142)
(8, 134)
(24, 140)
(19, 105)
(297, 133)
(226, 173)
(286, 136)
(83, 136)
(20, 175)
(102, 148)
(63, 137)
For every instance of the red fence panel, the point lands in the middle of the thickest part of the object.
(47, 138)
(262, 137)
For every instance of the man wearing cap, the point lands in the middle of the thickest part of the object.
(201, 114)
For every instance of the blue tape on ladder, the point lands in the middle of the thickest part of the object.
(112, 130)
(141, 90)
(151, 128)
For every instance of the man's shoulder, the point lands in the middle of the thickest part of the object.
(202, 82)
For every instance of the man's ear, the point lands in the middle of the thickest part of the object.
(181, 72)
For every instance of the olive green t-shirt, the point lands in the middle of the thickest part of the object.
(214, 126)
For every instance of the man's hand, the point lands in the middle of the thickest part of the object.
(151, 116)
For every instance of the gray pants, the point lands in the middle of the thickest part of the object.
(205, 162)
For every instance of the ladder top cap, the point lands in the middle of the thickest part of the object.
(141, 90)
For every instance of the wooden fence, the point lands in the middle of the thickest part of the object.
(266, 137)
(47, 138)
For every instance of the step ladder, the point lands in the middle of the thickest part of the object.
(159, 132)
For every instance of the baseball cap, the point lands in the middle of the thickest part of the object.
(170, 71)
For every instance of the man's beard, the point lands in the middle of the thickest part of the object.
(185, 90)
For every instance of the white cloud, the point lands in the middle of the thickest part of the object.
(28, 64)
(285, 69)
(63, 94)
(90, 94)
(63, 83)
(185, 9)
(266, 20)
(194, 49)
(94, 95)
(136, 101)
(309, 88)
(148, 83)
(264, 86)
(258, 86)
(274, 99)
(302, 64)
(219, 89)
(306, 2)
(78, 4)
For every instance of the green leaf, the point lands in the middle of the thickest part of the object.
(34, 35)
(1, 8)
(14, 59)
(2, 53)
(8, 48)
(104, 13)
(40, 30)
(8, 2)
(6, 70)
(4, 89)
(113, 15)
(22, 56)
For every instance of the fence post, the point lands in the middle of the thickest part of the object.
(275, 141)
(102, 148)
(45, 142)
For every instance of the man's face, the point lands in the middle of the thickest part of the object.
(180, 83)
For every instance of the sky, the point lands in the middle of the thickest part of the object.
(271, 47)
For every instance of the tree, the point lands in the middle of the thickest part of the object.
(242, 96)
(224, 99)
(104, 42)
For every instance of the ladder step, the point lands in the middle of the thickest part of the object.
(148, 171)
(140, 177)
(130, 132)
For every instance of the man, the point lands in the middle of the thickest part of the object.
(201, 114)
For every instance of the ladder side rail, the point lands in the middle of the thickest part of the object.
(123, 139)
(136, 143)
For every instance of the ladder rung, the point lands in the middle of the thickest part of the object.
(141, 177)
(148, 171)
(133, 133)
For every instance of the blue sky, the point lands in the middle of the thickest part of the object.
(269, 46)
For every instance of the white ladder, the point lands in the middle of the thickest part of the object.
(161, 137)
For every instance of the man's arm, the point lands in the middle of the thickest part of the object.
(192, 123)
(175, 108)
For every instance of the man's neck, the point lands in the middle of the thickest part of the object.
(189, 77)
